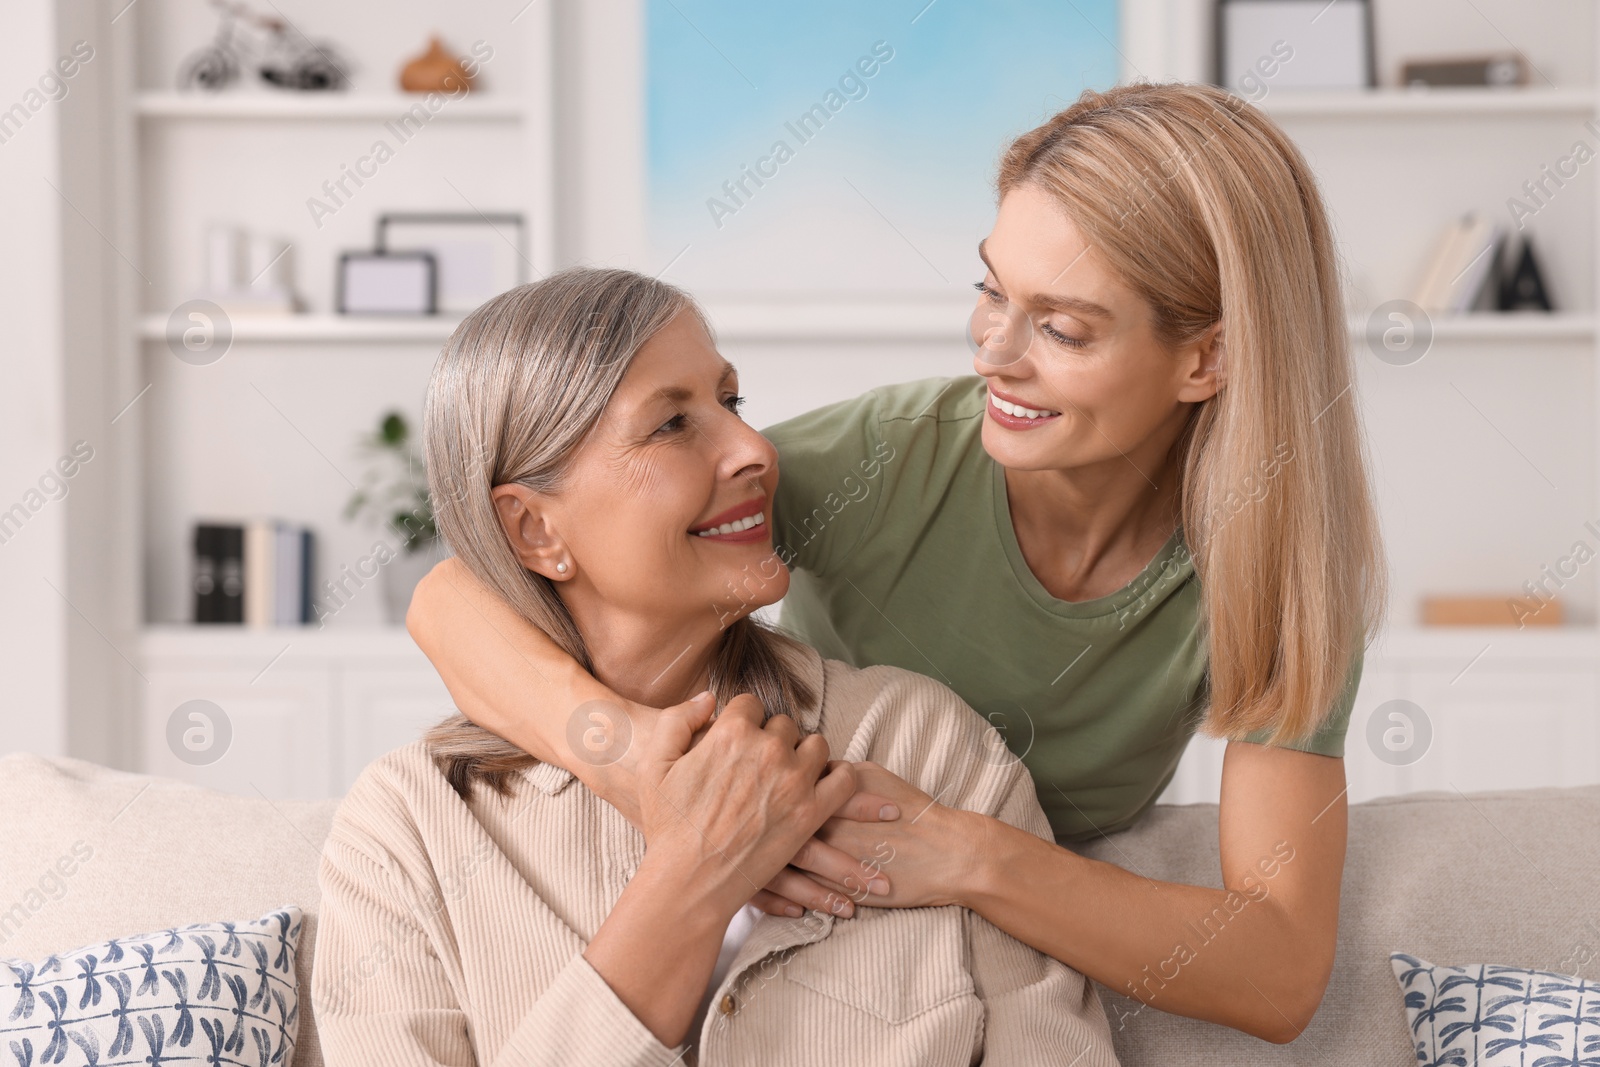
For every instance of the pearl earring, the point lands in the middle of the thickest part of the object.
(561, 568)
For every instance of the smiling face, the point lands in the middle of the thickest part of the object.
(664, 508)
(1076, 374)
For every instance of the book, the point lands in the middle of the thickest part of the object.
(1476, 279)
(1462, 267)
(257, 573)
(218, 574)
(260, 586)
(286, 575)
(307, 608)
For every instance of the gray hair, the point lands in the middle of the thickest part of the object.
(517, 389)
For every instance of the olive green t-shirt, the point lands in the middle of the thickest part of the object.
(894, 522)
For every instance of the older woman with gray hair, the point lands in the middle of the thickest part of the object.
(589, 466)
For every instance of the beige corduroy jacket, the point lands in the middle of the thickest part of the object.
(453, 932)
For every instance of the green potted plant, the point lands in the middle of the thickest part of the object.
(394, 494)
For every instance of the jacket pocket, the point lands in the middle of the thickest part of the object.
(892, 963)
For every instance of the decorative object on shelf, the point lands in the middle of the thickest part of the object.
(1335, 52)
(394, 493)
(278, 54)
(247, 272)
(258, 573)
(1522, 286)
(1460, 275)
(387, 283)
(435, 71)
(1504, 70)
(1513, 609)
(479, 255)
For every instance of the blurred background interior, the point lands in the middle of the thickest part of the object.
(236, 235)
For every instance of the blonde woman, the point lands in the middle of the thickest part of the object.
(1147, 515)
(478, 906)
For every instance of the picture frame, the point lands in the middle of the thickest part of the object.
(1262, 45)
(478, 255)
(385, 283)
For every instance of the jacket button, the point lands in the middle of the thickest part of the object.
(727, 1004)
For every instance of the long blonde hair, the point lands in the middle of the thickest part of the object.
(516, 390)
(1205, 208)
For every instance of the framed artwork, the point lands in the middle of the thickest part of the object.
(842, 147)
(478, 256)
(384, 283)
(1264, 45)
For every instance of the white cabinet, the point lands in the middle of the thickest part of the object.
(268, 737)
(1366, 773)
(1502, 709)
(1508, 728)
(306, 710)
(380, 710)
(283, 713)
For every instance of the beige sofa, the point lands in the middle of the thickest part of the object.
(1492, 877)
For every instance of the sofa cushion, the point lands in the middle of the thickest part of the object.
(1457, 877)
(92, 853)
(223, 992)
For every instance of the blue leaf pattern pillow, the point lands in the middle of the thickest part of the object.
(209, 993)
(1486, 1015)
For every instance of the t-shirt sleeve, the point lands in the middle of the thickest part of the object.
(1328, 740)
(832, 465)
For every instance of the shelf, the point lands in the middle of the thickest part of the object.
(432, 329)
(931, 318)
(1373, 103)
(1505, 326)
(175, 643)
(902, 319)
(1452, 643)
(318, 106)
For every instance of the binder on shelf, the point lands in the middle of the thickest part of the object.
(218, 576)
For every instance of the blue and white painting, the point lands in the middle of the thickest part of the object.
(842, 145)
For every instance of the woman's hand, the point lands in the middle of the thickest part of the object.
(734, 805)
(929, 852)
(507, 676)
(818, 875)
(721, 813)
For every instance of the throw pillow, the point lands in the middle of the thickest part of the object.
(1486, 1015)
(212, 993)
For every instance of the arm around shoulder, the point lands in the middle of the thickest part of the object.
(506, 675)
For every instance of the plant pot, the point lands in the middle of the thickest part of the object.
(401, 575)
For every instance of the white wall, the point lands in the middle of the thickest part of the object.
(33, 615)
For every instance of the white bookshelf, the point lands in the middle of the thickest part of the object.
(1487, 450)
(271, 429)
(268, 429)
